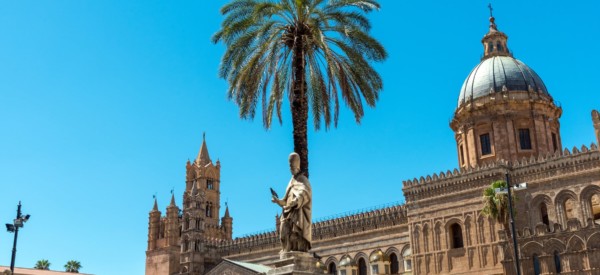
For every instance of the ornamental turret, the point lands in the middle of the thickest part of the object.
(172, 223)
(596, 120)
(153, 226)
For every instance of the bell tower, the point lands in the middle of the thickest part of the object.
(184, 241)
(193, 247)
(207, 178)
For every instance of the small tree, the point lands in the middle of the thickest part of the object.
(73, 266)
(42, 264)
(495, 205)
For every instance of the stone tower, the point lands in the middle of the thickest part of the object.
(504, 109)
(192, 232)
(162, 256)
(184, 241)
(207, 178)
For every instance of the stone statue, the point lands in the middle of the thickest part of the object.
(296, 224)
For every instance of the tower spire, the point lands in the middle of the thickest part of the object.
(172, 199)
(203, 158)
(155, 208)
(226, 210)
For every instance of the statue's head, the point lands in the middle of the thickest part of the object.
(294, 163)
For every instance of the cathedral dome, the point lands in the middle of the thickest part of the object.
(500, 73)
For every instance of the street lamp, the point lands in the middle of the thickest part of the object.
(14, 228)
(520, 186)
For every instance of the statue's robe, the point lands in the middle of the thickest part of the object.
(300, 216)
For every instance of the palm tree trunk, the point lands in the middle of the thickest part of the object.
(299, 105)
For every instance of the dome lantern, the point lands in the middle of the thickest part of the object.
(495, 41)
(504, 110)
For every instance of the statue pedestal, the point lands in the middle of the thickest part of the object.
(295, 263)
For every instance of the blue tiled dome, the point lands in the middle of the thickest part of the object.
(498, 73)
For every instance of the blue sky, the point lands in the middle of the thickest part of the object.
(103, 102)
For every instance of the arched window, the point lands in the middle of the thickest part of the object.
(490, 47)
(394, 265)
(362, 267)
(184, 247)
(456, 235)
(595, 202)
(499, 46)
(536, 265)
(332, 268)
(161, 233)
(209, 209)
(557, 265)
(210, 184)
(544, 214)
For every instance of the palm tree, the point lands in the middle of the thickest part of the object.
(42, 264)
(495, 205)
(73, 266)
(307, 50)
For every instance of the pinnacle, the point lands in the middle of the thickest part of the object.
(155, 208)
(226, 212)
(172, 200)
(203, 158)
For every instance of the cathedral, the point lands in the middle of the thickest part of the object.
(506, 126)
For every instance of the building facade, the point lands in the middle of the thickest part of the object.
(506, 124)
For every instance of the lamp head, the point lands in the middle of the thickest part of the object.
(10, 227)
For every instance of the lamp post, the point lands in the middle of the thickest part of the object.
(512, 224)
(507, 191)
(14, 228)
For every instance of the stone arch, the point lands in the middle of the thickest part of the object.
(185, 244)
(362, 262)
(481, 229)
(575, 243)
(438, 232)
(561, 203)
(406, 256)
(395, 257)
(593, 247)
(391, 250)
(455, 233)
(211, 172)
(416, 239)
(361, 255)
(593, 242)
(426, 237)
(589, 210)
(554, 245)
(531, 248)
(536, 215)
(329, 262)
(467, 229)
(573, 260)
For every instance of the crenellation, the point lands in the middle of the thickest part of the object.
(533, 168)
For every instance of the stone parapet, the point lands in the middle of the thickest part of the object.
(323, 230)
(563, 163)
